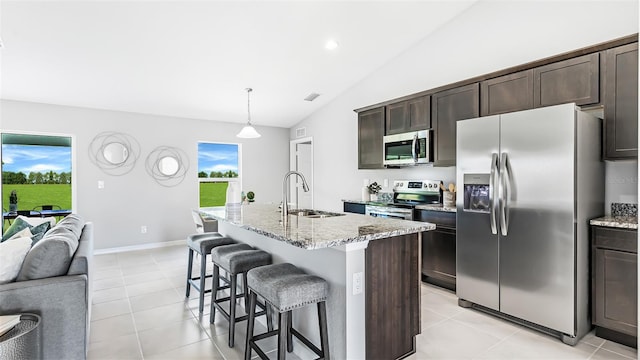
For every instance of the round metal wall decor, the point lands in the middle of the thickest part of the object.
(167, 165)
(114, 153)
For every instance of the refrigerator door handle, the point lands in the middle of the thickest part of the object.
(492, 191)
(505, 182)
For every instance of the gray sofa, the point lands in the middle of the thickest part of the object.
(63, 301)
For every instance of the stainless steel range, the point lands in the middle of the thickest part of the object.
(406, 195)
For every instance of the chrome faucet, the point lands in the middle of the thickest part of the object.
(285, 193)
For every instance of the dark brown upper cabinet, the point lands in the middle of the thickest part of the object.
(513, 92)
(621, 103)
(370, 133)
(448, 107)
(574, 80)
(408, 115)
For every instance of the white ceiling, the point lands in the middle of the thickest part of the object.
(194, 59)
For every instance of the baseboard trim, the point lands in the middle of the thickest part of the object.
(139, 247)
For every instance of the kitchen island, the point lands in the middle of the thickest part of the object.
(372, 266)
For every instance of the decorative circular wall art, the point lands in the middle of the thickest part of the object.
(167, 165)
(114, 153)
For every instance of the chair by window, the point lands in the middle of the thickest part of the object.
(204, 224)
(47, 207)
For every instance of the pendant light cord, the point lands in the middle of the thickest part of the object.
(249, 90)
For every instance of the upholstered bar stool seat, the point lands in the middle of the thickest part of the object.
(202, 244)
(286, 287)
(236, 260)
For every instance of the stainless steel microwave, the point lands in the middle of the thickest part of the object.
(411, 148)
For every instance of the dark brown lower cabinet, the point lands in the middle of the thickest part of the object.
(615, 284)
(392, 288)
(439, 248)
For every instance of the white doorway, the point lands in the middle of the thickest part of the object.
(301, 160)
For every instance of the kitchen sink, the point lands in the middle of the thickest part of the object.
(314, 213)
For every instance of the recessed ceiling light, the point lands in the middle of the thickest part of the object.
(331, 45)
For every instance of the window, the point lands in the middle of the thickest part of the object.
(218, 164)
(38, 169)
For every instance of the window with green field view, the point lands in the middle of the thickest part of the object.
(37, 168)
(218, 164)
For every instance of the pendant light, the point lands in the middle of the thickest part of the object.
(248, 131)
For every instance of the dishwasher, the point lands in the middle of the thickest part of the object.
(439, 248)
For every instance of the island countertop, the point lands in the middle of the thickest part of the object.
(316, 233)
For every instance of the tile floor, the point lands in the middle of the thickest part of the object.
(140, 312)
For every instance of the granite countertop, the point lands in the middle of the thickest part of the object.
(622, 222)
(433, 207)
(316, 233)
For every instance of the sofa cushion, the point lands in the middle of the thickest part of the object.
(18, 225)
(50, 256)
(73, 223)
(12, 254)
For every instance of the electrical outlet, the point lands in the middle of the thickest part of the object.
(357, 283)
(100, 184)
(143, 229)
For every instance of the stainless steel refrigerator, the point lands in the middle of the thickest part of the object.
(530, 182)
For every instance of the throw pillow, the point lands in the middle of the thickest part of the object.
(39, 231)
(22, 233)
(17, 226)
(35, 221)
(49, 257)
(12, 254)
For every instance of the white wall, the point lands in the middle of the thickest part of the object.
(127, 202)
(489, 36)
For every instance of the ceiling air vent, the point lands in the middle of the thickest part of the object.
(301, 132)
(311, 97)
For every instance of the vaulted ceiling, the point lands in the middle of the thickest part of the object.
(194, 59)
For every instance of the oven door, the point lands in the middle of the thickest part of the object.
(389, 212)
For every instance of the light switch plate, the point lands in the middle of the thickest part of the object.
(100, 184)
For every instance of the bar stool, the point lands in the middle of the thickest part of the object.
(286, 287)
(235, 259)
(202, 244)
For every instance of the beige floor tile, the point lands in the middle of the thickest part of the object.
(531, 344)
(135, 268)
(117, 348)
(169, 337)
(106, 329)
(592, 339)
(487, 323)
(106, 274)
(237, 352)
(204, 349)
(106, 261)
(111, 294)
(453, 340)
(441, 304)
(161, 315)
(148, 287)
(141, 278)
(603, 354)
(107, 283)
(153, 300)
(430, 318)
(110, 308)
(620, 349)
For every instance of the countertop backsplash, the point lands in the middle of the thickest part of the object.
(624, 209)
